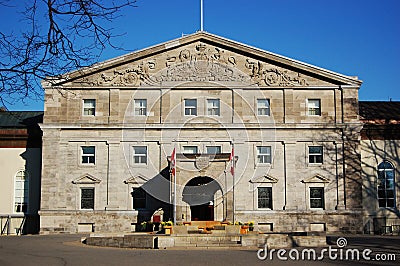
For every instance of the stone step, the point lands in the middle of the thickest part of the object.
(207, 241)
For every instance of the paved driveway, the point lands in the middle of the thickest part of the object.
(67, 250)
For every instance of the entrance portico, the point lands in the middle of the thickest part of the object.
(204, 187)
(200, 193)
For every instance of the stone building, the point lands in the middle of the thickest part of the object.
(257, 136)
(380, 140)
(20, 165)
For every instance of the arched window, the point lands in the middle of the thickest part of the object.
(21, 191)
(386, 185)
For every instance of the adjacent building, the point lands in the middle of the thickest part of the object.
(380, 150)
(20, 164)
(203, 128)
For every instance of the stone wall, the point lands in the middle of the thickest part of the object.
(202, 67)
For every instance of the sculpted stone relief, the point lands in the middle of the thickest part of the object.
(196, 63)
(274, 76)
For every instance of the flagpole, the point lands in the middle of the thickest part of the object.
(234, 166)
(174, 151)
(201, 15)
(175, 196)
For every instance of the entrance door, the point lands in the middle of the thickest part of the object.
(204, 212)
(200, 193)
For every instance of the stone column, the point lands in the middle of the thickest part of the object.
(114, 190)
(60, 198)
(218, 206)
(291, 197)
(340, 177)
(288, 103)
(114, 106)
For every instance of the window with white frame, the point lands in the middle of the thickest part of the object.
(263, 108)
(190, 107)
(139, 154)
(89, 107)
(264, 196)
(88, 154)
(315, 154)
(314, 107)
(87, 198)
(140, 107)
(317, 197)
(21, 191)
(190, 149)
(386, 185)
(213, 149)
(263, 154)
(213, 107)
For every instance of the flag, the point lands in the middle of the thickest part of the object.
(173, 162)
(232, 160)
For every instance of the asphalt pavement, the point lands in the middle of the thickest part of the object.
(67, 250)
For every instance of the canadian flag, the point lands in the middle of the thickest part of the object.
(232, 160)
(173, 162)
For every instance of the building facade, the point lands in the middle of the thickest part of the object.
(249, 135)
(380, 163)
(20, 164)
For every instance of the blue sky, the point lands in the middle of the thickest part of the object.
(352, 37)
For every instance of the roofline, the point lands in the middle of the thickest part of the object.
(300, 64)
(189, 38)
(378, 101)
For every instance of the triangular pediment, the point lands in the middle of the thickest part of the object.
(264, 179)
(87, 179)
(203, 58)
(316, 179)
(138, 179)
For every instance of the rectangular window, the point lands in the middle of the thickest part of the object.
(265, 198)
(87, 198)
(89, 107)
(213, 107)
(190, 149)
(139, 198)
(190, 107)
(263, 107)
(315, 154)
(213, 149)
(88, 154)
(317, 197)
(314, 106)
(264, 154)
(140, 107)
(140, 155)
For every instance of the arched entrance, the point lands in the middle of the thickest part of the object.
(200, 193)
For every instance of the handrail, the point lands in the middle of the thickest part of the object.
(6, 226)
(19, 231)
(6, 229)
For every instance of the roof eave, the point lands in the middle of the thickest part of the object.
(345, 80)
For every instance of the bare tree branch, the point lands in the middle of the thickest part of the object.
(60, 36)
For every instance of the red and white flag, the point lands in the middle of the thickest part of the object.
(232, 160)
(173, 162)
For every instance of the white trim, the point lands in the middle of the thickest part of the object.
(88, 155)
(196, 108)
(141, 155)
(27, 179)
(308, 107)
(140, 107)
(83, 107)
